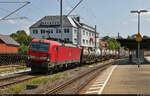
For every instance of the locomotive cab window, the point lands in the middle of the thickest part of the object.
(39, 46)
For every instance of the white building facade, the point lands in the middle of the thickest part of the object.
(73, 30)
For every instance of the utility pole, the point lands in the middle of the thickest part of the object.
(61, 20)
(118, 35)
(95, 37)
(118, 48)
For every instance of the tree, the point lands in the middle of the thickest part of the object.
(23, 49)
(106, 38)
(23, 39)
(145, 37)
(113, 44)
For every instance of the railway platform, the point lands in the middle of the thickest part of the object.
(122, 78)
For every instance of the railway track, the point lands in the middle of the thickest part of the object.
(86, 76)
(13, 76)
(11, 80)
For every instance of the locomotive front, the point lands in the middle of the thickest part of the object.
(39, 55)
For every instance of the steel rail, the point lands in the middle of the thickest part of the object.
(14, 76)
(17, 81)
(63, 85)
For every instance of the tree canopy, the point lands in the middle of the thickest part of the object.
(112, 43)
(134, 37)
(23, 39)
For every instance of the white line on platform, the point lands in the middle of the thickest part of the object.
(100, 91)
(95, 87)
(91, 92)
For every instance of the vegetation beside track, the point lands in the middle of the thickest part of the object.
(41, 80)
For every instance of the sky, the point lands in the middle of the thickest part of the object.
(110, 16)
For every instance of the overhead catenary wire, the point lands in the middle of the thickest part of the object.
(16, 18)
(71, 7)
(75, 7)
(26, 3)
(7, 11)
(15, 2)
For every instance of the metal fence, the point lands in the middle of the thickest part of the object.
(13, 59)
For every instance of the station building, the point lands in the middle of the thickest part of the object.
(73, 30)
(8, 45)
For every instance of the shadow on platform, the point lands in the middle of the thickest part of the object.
(127, 62)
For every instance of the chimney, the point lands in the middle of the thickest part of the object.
(78, 19)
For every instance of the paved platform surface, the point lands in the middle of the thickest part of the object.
(129, 79)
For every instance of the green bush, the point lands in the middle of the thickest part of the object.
(23, 49)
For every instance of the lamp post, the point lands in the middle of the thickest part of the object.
(61, 21)
(138, 12)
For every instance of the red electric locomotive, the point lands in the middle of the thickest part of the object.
(46, 56)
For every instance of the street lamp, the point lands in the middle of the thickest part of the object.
(138, 12)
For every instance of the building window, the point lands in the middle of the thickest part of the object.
(66, 39)
(87, 42)
(58, 31)
(89, 34)
(48, 31)
(51, 31)
(75, 31)
(86, 33)
(83, 32)
(42, 23)
(83, 41)
(42, 31)
(66, 30)
(35, 31)
(75, 40)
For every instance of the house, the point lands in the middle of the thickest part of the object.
(8, 45)
(73, 30)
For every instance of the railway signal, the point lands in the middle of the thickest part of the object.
(138, 37)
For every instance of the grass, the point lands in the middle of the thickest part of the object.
(42, 80)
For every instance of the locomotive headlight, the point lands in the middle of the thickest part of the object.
(48, 58)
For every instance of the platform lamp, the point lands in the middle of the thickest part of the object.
(139, 12)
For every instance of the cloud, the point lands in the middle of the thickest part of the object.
(26, 28)
(146, 14)
(26, 24)
(134, 20)
(124, 23)
(12, 21)
(147, 19)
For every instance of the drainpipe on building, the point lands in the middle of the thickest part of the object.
(95, 37)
